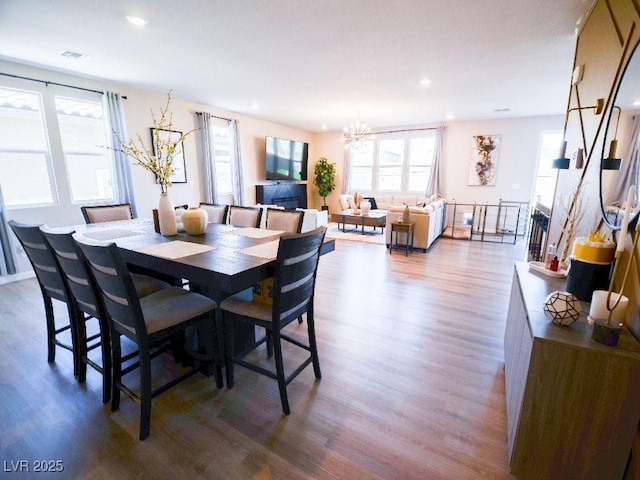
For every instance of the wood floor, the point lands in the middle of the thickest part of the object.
(411, 351)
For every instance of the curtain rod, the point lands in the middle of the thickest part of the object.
(218, 117)
(47, 83)
(405, 130)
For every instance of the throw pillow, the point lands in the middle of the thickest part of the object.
(372, 201)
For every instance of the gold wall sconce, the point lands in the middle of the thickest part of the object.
(611, 162)
(562, 162)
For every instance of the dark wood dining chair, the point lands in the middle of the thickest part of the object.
(244, 216)
(106, 213)
(216, 213)
(152, 323)
(52, 287)
(86, 301)
(294, 286)
(289, 221)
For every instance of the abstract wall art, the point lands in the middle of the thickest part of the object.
(484, 159)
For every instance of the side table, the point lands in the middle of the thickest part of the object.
(402, 227)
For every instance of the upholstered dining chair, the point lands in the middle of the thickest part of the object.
(289, 221)
(216, 213)
(294, 286)
(52, 287)
(87, 303)
(106, 213)
(244, 216)
(151, 322)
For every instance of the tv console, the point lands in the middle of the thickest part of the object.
(285, 194)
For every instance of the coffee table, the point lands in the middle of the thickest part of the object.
(373, 219)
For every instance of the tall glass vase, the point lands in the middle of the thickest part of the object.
(167, 216)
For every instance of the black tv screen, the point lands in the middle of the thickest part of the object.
(285, 159)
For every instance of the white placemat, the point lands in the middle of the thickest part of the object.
(175, 249)
(256, 232)
(111, 234)
(264, 250)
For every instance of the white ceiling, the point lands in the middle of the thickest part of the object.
(308, 63)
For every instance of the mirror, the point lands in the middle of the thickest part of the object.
(614, 184)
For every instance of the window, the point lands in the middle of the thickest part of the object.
(223, 156)
(546, 178)
(361, 162)
(83, 135)
(398, 162)
(25, 159)
(52, 149)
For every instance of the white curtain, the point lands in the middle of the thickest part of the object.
(115, 119)
(347, 170)
(7, 252)
(205, 148)
(435, 181)
(628, 174)
(238, 183)
(206, 138)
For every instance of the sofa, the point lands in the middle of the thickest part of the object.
(428, 214)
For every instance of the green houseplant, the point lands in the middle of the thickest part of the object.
(325, 176)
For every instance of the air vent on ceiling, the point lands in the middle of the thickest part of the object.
(74, 55)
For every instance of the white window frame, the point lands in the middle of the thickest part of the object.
(223, 192)
(376, 167)
(56, 162)
(98, 152)
(546, 173)
(46, 152)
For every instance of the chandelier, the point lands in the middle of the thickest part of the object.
(356, 136)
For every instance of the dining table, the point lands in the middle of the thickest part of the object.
(221, 262)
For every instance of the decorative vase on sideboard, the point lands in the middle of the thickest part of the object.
(167, 216)
(195, 220)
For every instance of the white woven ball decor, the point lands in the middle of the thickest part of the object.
(562, 308)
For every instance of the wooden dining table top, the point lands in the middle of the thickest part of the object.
(232, 259)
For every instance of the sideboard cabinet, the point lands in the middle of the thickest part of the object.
(573, 405)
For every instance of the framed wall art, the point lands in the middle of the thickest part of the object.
(484, 159)
(179, 168)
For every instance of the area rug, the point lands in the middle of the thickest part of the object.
(355, 236)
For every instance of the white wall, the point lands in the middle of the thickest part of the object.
(517, 163)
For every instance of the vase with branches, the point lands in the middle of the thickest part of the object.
(159, 160)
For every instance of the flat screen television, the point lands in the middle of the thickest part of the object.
(286, 159)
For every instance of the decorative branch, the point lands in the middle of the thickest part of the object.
(575, 211)
(159, 160)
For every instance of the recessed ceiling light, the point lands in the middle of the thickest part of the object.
(324, 126)
(425, 82)
(139, 21)
(636, 103)
(255, 106)
(449, 116)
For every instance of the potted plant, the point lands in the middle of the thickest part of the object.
(325, 176)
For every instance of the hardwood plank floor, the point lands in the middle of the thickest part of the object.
(413, 384)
